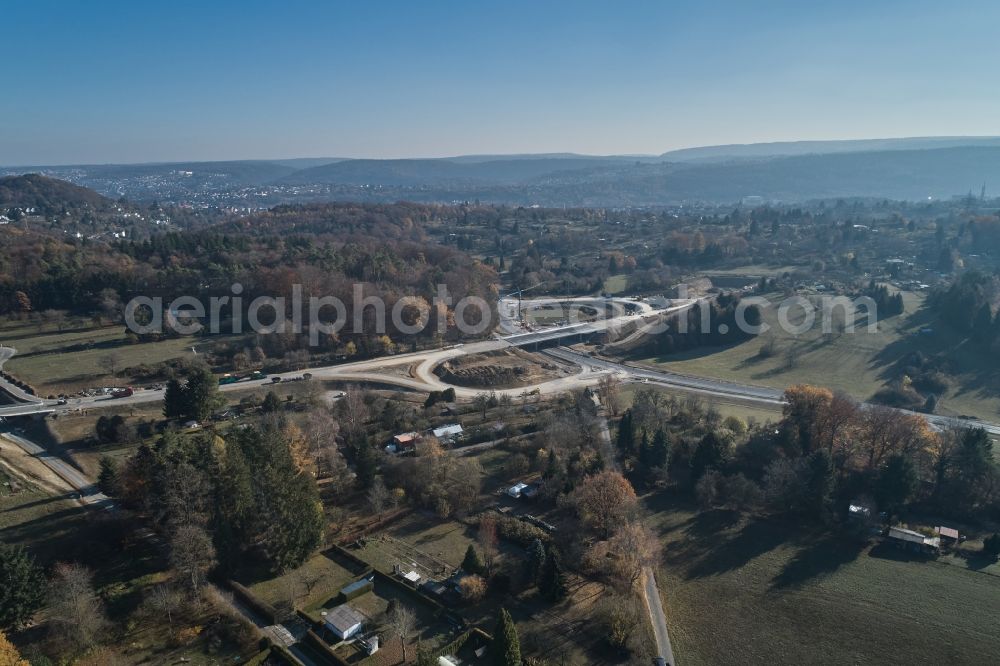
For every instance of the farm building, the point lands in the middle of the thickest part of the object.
(448, 433)
(344, 621)
(912, 540)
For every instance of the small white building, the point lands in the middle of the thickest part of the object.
(344, 621)
(448, 432)
(516, 490)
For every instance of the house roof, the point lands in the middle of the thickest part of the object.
(356, 585)
(343, 618)
(448, 430)
(911, 536)
(949, 532)
(406, 437)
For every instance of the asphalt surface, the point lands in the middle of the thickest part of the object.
(650, 591)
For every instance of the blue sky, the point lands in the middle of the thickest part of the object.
(86, 82)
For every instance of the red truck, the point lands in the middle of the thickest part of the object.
(122, 392)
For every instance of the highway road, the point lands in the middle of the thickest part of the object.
(422, 378)
(87, 490)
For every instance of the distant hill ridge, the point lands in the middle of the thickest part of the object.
(908, 168)
(36, 191)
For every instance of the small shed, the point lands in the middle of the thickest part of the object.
(344, 621)
(448, 432)
(356, 589)
(912, 540)
(948, 534)
(516, 490)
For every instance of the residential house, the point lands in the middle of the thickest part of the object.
(344, 621)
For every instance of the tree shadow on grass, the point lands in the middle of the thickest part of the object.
(818, 559)
(886, 551)
(714, 549)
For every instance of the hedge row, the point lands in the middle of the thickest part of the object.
(262, 608)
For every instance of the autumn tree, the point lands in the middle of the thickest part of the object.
(402, 622)
(488, 541)
(9, 656)
(619, 619)
(75, 612)
(604, 500)
(112, 364)
(472, 588)
(630, 550)
(378, 497)
(192, 555)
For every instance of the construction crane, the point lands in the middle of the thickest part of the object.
(520, 317)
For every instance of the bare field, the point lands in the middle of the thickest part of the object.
(745, 591)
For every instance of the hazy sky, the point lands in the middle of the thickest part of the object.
(136, 81)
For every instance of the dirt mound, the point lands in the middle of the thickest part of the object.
(507, 368)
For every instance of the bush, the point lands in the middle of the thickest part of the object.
(519, 532)
(991, 547)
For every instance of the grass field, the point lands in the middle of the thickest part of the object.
(615, 284)
(331, 576)
(755, 592)
(44, 522)
(433, 545)
(65, 362)
(723, 406)
(857, 363)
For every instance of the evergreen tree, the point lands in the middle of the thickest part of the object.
(425, 657)
(366, 464)
(173, 400)
(195, 399)
(552, 581)
(472, 563)
(644, 450)
(819, 481)
(22, 586)
(711, 453)
(626, 433)
(271, 403)
(109, 478)
(659, 450)
(982, 325)
(286, 505)
(896, 483)
(552, 466)
(535, 561)
(201, 394)
(505, 649)
(234, 516)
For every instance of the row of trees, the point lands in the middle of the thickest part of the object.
(826, 451)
